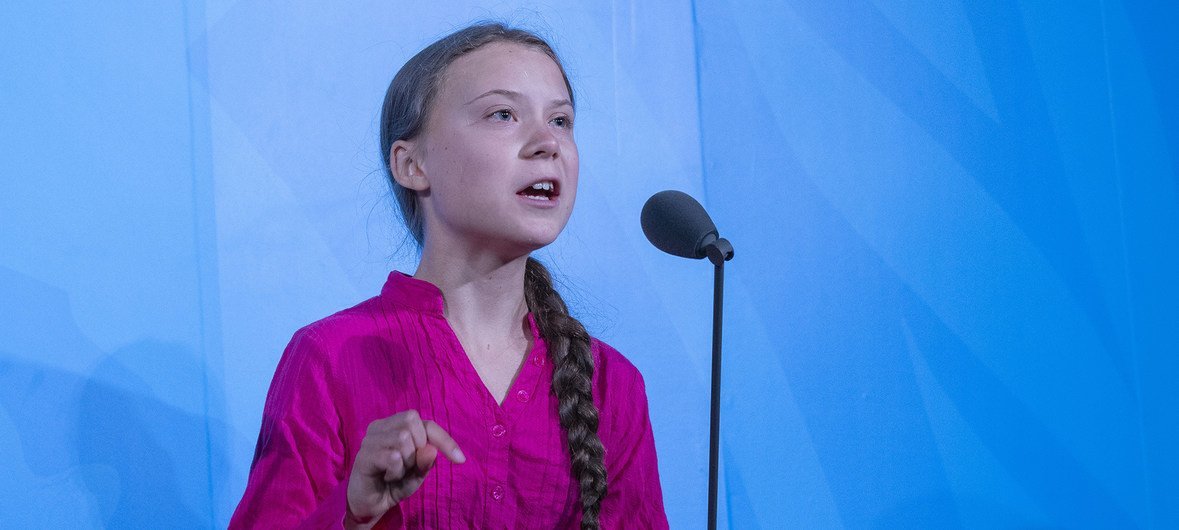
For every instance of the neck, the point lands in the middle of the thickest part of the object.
(483, 293)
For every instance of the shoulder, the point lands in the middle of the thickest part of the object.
(610, 360)
(616, 379)
(323, 345)
(333, 330)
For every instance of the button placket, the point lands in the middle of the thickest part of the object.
(498, 472)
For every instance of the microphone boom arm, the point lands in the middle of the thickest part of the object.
(718, 250)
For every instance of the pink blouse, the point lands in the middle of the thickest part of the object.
(396, 352)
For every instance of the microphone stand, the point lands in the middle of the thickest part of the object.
(718, 251)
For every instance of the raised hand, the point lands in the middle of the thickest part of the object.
(396, 454)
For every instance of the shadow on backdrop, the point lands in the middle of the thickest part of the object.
(127, 444)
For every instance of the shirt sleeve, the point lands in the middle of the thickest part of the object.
(299, 478)
(634, 498)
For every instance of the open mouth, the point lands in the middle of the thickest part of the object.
(544, 190)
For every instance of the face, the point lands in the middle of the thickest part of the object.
(497, 161)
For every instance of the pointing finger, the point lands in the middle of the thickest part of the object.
(438, 437)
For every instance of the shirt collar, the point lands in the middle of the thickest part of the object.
(406, 291)
(403, 290)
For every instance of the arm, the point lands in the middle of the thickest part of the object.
(634, 498)
(298, 478)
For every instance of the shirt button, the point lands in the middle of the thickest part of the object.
(538, 360)
(498, 430)
(497, 493)
(522, 396)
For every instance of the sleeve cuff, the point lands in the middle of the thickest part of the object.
(333, 511)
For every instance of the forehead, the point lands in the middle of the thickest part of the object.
(502, 65)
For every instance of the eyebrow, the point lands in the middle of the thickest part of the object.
(512, 94)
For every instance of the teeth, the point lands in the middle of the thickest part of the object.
(546, 186)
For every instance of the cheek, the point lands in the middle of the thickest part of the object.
(571, 155)
(459, 164)
(572, 165)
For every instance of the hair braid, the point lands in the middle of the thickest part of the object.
(573, 369)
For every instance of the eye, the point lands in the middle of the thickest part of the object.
(564, 122)
(501, 115)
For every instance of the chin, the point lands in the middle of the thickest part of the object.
(538, 239)
(541, 242)
(514, 244)
(539, 232)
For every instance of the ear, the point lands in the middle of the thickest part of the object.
(406, 166)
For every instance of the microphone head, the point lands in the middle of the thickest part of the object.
(675, 223)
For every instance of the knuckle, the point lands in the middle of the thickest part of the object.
(380, 425)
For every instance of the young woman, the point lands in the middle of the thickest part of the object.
(464, 396)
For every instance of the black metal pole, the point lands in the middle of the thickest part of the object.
(718, 290)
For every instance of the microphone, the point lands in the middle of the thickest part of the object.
(675, 223)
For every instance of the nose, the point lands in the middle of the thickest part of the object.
(542, 143)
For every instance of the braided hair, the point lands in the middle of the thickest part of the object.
(403, 117)
(573, 368)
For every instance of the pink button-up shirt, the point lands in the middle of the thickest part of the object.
(397, 352)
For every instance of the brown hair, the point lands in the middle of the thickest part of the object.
(403, 117)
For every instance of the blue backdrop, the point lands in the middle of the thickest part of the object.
(953, 301)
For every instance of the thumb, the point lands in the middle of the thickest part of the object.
(425, 458)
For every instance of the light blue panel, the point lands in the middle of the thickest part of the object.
(105, 419)
(961, 220)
